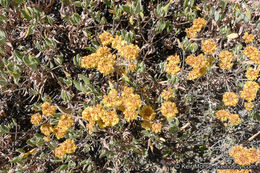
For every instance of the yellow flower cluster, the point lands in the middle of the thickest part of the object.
(36, 119)
(172, 65)
(230, 99)
(157, 127)
(252, 53)
(249, 91)
(199, 64)
(167, 94)
(226, 58)
(112, 100)
(244, 156)
(46, 129)
(252, 74)
(128, 51)
(103, 60)
(101, 116)
(223, 115)
(106, 38)
(209, 47)
(198, 24)
(64, 124)
(248, 37)
(47, 109)
(249, 106)
(67, 146)
(169, 109)
(130, 103)
(148, 114)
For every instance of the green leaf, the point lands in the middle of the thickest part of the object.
(75, 19)
(4, 129)
(126, 8)
(216, 16)
(95, 43)
(109, 3)
(63, 167)
(92, 49)
(5, 3)
(18, 55)
(85, 79)
(25, 15)
(50, 42)
(66, 96)
(161, 26)
(80, 86)
(20, 150)
(166, 8)
(59, 59)
(16, 159)
(78, 4)
(3, 81)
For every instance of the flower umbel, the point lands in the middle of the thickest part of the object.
(230, 99)
(209, 47)
(36, 119)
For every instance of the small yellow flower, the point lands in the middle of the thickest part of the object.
(156, 127)
(106, 38)
(110, 118)
(230, 99)
(47, 109)
(226, 58)
(249, 91)
(244, 156)
(89, 115)
(36, 119)
(191, 32)
(46, 129)
(127, 92)
(252, 74)
(112, 100)
(250, 52)
(199, 23)
(234, 119)
(222, 115)
(90, 61)
(209, 47)
(59, 132)
(65, 121)
(199, 64)
(172, 65)
(130, 114)
(236, 150)
(249, 106)
(69, 146)
(147, 113)
(169, 109)
(60, 152)
(256, 58)
(167, 94)
(248, 37)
